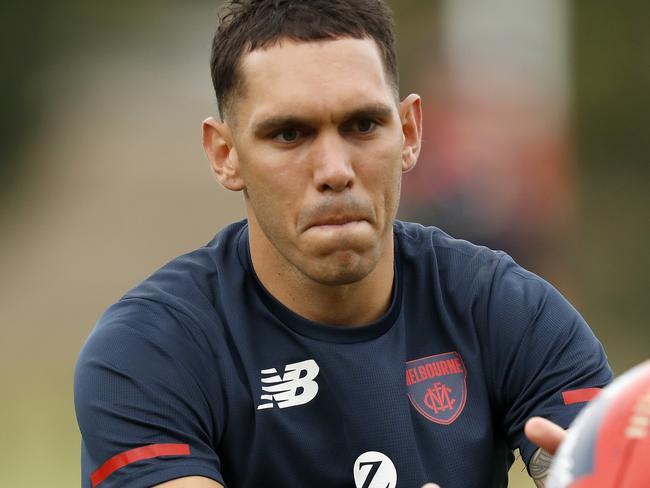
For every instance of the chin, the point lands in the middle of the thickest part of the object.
(341, 269)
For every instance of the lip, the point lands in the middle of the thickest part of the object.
(336, 222)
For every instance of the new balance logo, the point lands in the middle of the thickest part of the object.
(295, 387)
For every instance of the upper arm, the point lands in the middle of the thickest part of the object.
(144, 413)
(541, 348)
(190, 482)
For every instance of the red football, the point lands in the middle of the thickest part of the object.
(608, 444)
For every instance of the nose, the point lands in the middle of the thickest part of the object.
(333, 170)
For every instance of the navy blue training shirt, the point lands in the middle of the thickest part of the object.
(199, 371)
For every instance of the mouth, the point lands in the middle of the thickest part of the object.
(352, 215)
(334, 222)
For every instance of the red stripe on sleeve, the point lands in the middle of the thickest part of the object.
(578, 396)
(138, 454)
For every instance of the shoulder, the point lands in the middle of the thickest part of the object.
(451, 262)
(471, 277)
(415, 239)
(191, 284)
(175, 309)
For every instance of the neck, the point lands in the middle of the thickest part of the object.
(354, 304)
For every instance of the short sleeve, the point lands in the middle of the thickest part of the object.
(541, 352)
(145, 410)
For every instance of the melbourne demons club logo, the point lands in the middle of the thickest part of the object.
(437, 387)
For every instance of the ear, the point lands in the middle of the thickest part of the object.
(219, 147)
(411, 117)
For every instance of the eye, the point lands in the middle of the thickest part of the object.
(365, 126)
(287, 135)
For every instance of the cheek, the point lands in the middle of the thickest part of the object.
(271, 195)
(384, 170)
(268, 169)
(393, 190)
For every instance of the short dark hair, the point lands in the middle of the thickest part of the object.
(246, 25)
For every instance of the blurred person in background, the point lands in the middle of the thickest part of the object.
(321, 342)
(497, 168)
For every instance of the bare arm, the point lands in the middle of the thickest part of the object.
(539, 467)
(548, 436)
(190, 482)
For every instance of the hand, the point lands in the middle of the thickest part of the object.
(548, 436)
(544, 433)
(430, 485)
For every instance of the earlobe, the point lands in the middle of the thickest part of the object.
(411, 118)
(219, 148)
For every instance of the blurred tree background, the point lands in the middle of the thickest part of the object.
(103, 180)
(37, 38)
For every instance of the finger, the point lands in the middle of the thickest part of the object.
(544, 433)
(430, 485)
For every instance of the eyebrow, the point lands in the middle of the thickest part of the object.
(379, 111)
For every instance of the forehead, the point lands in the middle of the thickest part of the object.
(316, 79)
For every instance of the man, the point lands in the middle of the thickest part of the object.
(320, 342)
